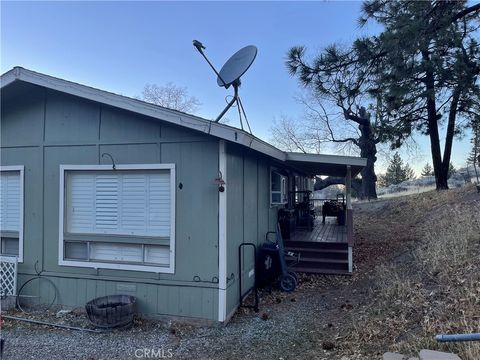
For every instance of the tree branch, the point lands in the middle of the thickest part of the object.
(465, 12)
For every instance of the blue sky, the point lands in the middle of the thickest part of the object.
(121, 46)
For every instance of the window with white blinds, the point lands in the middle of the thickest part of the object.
(121, 218)
(11, 211)
(119, 202)
(10, 200)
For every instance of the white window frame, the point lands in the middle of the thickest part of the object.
(21, 169)
(119, 266)
(283, 188)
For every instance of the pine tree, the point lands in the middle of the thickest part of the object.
(475, 141)
(408, 173)
(474, 155)
(397, 172)
(427, 170)
(426, 63)
(451, 170)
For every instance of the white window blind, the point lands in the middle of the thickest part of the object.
(10, 201)
(157, 254)
(278, 188)
(119, 202)
(116, 252)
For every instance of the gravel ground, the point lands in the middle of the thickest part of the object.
(314, 322)
(288, 326)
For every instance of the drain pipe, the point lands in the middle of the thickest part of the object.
(458, 337)
(49, 324)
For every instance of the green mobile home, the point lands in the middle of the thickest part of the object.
(104, 194)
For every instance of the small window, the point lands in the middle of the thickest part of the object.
(119, 219)
(278, 189)
(75, 250)
(11, 211)
(10, 246)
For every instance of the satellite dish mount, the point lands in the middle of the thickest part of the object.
(230, 75)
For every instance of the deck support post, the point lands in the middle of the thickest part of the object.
(222, 235)
(348, 186)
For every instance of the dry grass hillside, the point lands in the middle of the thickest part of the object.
(420, 258)
(416, 275)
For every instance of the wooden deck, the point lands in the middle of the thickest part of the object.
(324, 250)
(328, 232)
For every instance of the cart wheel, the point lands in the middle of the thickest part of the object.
(294, 274)
(288, 283)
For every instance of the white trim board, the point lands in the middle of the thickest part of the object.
(326, 159)
(119, 266)
(222, 235)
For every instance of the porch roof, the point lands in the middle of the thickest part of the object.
(329, 165)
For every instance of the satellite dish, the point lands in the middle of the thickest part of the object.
(230, 74)
(236, 66)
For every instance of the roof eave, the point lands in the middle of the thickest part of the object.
(171, 116)
(330, 165)
(174, 117)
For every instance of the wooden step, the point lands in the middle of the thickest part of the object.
(317, 245)
(300, 249)
(332, 265)
(308, 270)
(319, 253)
(323, 260)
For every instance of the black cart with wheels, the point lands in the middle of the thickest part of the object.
(272, 264)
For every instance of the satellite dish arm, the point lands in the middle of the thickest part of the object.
(229, 105)
(199, 46)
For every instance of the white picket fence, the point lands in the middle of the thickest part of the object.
(8, 276)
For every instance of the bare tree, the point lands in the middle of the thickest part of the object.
(170, 96)
(314, 129)
(317, 128)
(335, 79)
(290, 134)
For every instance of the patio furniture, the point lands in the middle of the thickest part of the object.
(335, 208)
(304, 210)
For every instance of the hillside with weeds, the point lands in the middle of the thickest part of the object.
(420, 255)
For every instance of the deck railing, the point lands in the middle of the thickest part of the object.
(318, 203)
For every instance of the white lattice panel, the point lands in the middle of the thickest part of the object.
(8, 276)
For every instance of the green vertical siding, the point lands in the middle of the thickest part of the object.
(32, 159)
(42, 129)
(249, 214)
(235, 216)
(250, 217)
(70, 120)
(53, 157)
(22, 116)
(197, 208)
(131, 153)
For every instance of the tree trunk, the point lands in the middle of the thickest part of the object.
(452, 116)
(368, 150)
(441, 176)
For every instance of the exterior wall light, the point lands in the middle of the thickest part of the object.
(220, 182)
